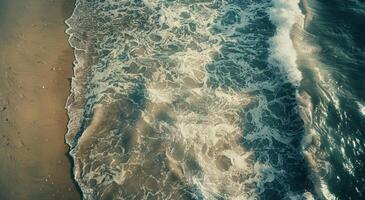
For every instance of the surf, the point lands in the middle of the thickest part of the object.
(186, 100)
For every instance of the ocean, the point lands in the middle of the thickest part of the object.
(218, 99)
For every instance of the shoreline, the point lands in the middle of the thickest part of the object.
(36, 66)
(70, 95)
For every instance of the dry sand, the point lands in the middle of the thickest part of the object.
(35, 65)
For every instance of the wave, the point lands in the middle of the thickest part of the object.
(285, 14)
(329, 110)
(186, 100)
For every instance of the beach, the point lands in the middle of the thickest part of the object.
(175, 100)
(35, 71)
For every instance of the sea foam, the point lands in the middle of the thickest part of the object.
(285, 14)
(162, 92)
(361, 108)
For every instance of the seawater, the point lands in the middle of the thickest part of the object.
(205, 99)
(332, 61)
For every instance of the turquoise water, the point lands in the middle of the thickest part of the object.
(213, 99)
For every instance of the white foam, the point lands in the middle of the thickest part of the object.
(327, 194)
(304, 196)
(285, 14)
(205, 122)
(361, 108)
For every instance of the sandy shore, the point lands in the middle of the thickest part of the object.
(35, 65)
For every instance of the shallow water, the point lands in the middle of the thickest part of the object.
(205, 99)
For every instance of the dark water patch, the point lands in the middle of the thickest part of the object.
(339, 32)
(337, 96)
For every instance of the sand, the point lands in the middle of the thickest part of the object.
(35, 67)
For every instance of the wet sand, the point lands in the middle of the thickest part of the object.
(35, 67)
